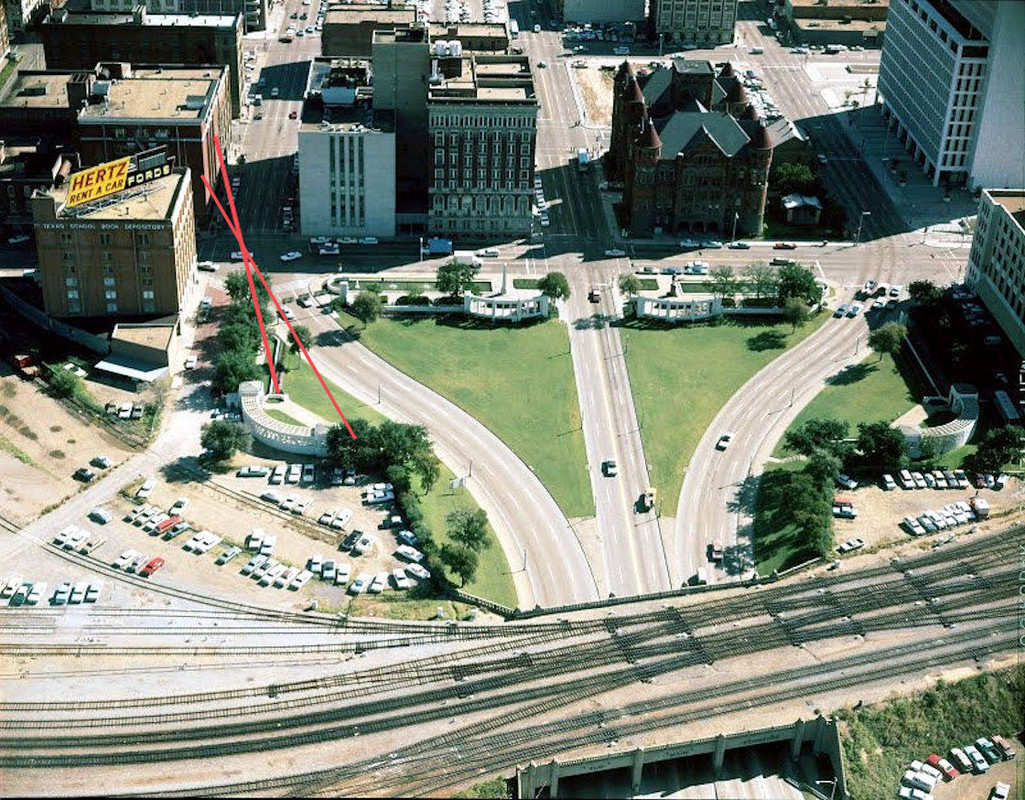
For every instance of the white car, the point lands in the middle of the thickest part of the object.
(300, 580)
(124, 559)
(340, 517)
(179, 506)
(851, 545)
(292, 255)
(724, 441)
(190, 362)
(289, 314)
(61, 594)
(315, 563)
(236, 255)
(289, 503)
(489, 252)
(615, 253)
(418, 571)
(301, 506)
(308, 474)
(342, 572)
(408, 553)
(401, 579)
(146, 488)
(294, 473)
(363, 545)
(36, 592)
(286, 577)
(206, 266)
(359, 584)
(379, 584)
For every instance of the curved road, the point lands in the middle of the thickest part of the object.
(717, 494)
(529, 524)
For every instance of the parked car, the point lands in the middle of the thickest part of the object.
(784, 246)
(151, 566)
(846, 481)
(292, 255)
(851, 545)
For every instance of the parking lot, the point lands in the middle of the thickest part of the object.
(880, 512)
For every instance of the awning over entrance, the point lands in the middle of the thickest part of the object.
(129, 368)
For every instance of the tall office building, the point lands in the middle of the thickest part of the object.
(131, 254)
(19, 13)
(78, 41)
(952, 83)
(402, 65)
(254, 12)
(346, 154)
(698, 21)
(996, 263)
(483, 128)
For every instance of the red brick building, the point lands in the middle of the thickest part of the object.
(690, 150)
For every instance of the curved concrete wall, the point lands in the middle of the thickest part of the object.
(274, 433)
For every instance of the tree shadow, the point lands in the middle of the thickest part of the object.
(855, 373)
(186, 469)
(743, 500)
(331, 338)
(767, 340)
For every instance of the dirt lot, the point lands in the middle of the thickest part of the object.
(880, 512)
(41, 446)
(234, 519)
(596, 90)
(978, 787)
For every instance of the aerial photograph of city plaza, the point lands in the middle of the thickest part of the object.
(512, 399)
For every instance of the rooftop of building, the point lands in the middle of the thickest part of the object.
(156, 93)
(363, 12)
(841, 3)
(156, 334)
(401, 35)
(862, 25)
(39, 89)
(150, 202)
(454, 30)
(691, 67)
(32, 159)
(361, 116)
(108, 19)
(1013, 200)
(491, 78)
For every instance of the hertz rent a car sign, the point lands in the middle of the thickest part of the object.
(104, 180)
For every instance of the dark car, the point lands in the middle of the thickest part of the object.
(350, 540)
(84, 474)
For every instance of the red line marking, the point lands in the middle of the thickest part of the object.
(236, 229)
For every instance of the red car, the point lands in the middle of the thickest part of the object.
(943, 766)
(151, 567)
(784, 246)
(293, 115)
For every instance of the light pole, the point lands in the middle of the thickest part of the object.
(421, 249)
(736, 216)
(861, 220)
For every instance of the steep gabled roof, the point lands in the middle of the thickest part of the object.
(680, 130)
(761, 139)
(624, 69)
(649, 136)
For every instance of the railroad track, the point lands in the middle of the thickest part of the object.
(631, 648)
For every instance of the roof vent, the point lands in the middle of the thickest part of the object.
(194, 102)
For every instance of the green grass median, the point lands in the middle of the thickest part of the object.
(515, 379)
(870, 391)
(681, 376)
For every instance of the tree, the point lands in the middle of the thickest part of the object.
(886, 339)
(923, 292)
(427, 466)
(724, 283)
(823, 466)
(302, 333)
(64, 382)
(789, 177)
(468, 528)
(237, 336)
(764, 279)
(819, 435)
(236, 284)
(360, 453)
(234, 367)
(629, 284)
(454, 279)
(223, 438)
(998, 447)
(797, 281)
(366, 307)
(881, 447)
(461, 560)
(795, 311)
(555, 286)
(928, 451)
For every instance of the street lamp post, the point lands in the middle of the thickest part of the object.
(861, 220)
(736, 216)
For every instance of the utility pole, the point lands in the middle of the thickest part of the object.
(378, 393)
(736, 216)
(861, 220)
(469, 472)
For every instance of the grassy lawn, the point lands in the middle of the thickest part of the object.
(776, 540)
(493, 581)
(682, 376)
(871, 391)
(281, 416)
(494, 788)
(304, 389)
(879, 740)
(426, 286)
(517, 380)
